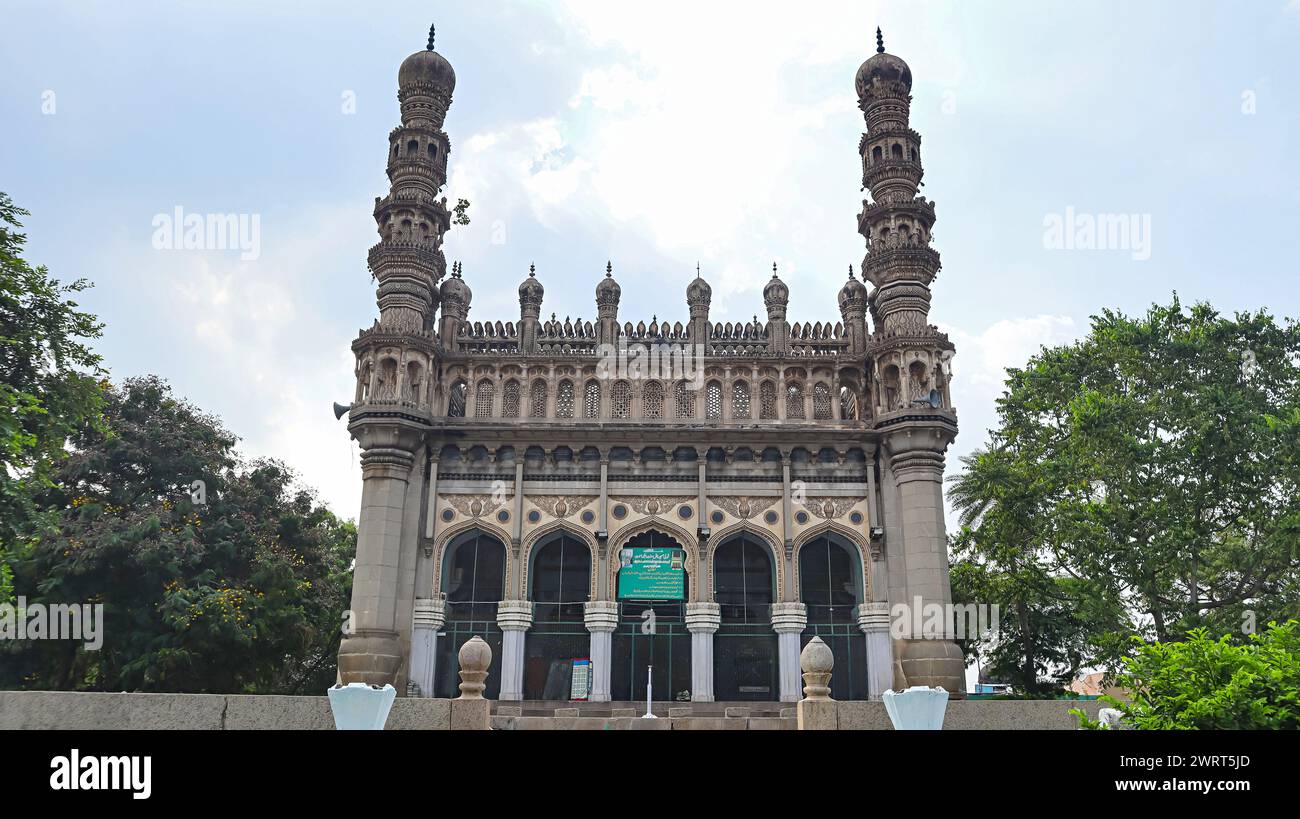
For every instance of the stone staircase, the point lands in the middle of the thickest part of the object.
(627, 716)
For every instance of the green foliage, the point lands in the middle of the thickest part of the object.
(1207, 684)
(462, 212)
(241, 594)
(49, 383)
(1145, 480)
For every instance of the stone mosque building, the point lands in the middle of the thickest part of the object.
(703, 511)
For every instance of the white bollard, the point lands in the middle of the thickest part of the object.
(917, 709)
(361, 707)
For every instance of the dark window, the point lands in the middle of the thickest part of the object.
(474, 577)
(561, 580)
(744, 665)
(828, 581)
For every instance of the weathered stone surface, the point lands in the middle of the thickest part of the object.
(567, 713)
(67, 711)
(772, 724)
(709, 724)
(471, 715)
(817, 715)
(737, 711)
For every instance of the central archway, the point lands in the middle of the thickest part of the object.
(830, 585)
(651, 631)
(745, 647)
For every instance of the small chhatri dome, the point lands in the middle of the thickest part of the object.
(454, 289)
(531, 289)
(427, 67)
(882, 66)
(608, 289)
(776, 291)
(699, 291)
(853, 290)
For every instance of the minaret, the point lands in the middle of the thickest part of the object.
(853, 309)
(608, 294)
(907, 359)
(394, 362)
(531, 293)
(776, 296)
(699, 296)
(408, 261)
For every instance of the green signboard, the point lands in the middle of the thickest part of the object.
(652, 574)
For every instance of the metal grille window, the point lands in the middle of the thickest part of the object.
(714, 406)
(591, 400)
(740, 400)
(821, 402)
(510, 400)
(622, 397)
(561, 580)
(538, 398)
(483, 397)
(794, 402)
(685, 400)
(564, 400)
(848, 404)
(767, 401)
(456, 403)
(652, 400)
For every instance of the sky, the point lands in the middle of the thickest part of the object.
(656, 136)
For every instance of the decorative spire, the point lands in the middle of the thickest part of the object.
(880, 41)
(697, 270)
(532, 271)
(774, 270)
(851, 276)
(609, 270)
(432, 30)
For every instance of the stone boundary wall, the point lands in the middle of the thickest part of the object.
(54, 711)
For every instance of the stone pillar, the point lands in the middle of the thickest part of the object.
(702, 621)
(788, 621)
(372, 653)
(915, 450)
(514, 617)
(873, 619)
(430, 616)
(602, 620)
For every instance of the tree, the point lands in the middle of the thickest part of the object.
(1207, 684)
(49, 383)
(1155, 466)
(240, 590)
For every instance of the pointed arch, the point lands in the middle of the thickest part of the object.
(542, 535)
(745, 527)
(687, 540)
(854, 539)
(458, 532)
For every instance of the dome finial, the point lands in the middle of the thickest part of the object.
(432, 30)
(851, 276)
(774, 270)
(880, 41)
(532, 270)
(609, 269)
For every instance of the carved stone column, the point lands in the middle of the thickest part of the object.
(789, 621)
(429, 617)
(702, 621)
(873, 619)
(514, 617)
(915, 449)
(372, 653)
(602, 621)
